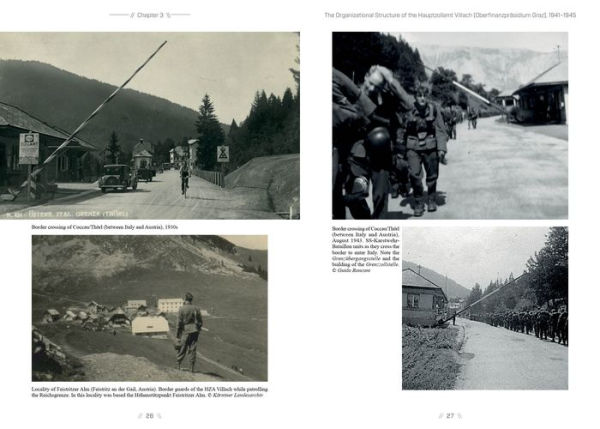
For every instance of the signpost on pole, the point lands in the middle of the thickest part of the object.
(222, 158)
(29, 154)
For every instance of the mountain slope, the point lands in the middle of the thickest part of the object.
(452, 289)
(64, 99)
(503, 69)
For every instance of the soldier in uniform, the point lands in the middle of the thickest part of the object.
(189, 324)
(554, 324)
(392, 102)
(543, 322)
(351, 111)
(472, 116)
(563, 322)
(449, 116)
(423, 145)
(534, 320)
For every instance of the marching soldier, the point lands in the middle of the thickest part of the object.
(351, 111)
(392, 102)
(554, 316)
(563, 322)
(543, 323)
(424, 145)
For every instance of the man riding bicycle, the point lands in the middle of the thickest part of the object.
(184, 173)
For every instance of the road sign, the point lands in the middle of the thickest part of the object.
(29, 148)
(222, 153)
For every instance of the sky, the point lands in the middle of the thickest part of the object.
(473, 255)
(248, 241)
(230, 67)
(536, 41)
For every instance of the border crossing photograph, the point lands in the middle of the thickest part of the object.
(149, 308)
(450, 125)
(485, 308)
(150, 125)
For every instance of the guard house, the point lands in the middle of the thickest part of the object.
(170, 305)
(142, 154)
(79, 162)
(544, 99)
(423, 302)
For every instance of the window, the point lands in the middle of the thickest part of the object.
(63, 163)
(412, 300)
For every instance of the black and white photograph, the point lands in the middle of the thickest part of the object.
(149, 308)
(150, 125)
(485, 308)
(450, 125)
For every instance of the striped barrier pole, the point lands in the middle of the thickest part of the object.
(60, 148)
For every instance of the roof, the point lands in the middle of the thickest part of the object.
(118, 310)
(142, 146)
(52, 312)
(557, 74)
(14, 117)
(507, 93)
(411, 278)
(149, 324)
(143, 153)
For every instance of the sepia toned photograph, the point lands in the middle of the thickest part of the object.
(150, 125)
(149, 308)
(485, 308)
(450, 125)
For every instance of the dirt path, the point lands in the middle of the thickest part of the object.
(496, 358)
(116, 367)
(499, 171)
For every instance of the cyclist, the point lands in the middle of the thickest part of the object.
(184, 173)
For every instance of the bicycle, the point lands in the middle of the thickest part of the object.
(185, 184)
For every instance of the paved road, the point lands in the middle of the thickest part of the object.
(496, 358)
(499, 171)
(160, 199)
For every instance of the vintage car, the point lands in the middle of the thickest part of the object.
(146, 173)
(117, 176)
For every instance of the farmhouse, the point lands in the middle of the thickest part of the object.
(545, 98)
(423, 302)
(50, 316)
(94, 308)
(118, 318)
(149, 325)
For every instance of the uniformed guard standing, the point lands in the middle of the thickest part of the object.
(189, 324)
(425, 141)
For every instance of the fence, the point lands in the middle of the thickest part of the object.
(215, 177)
